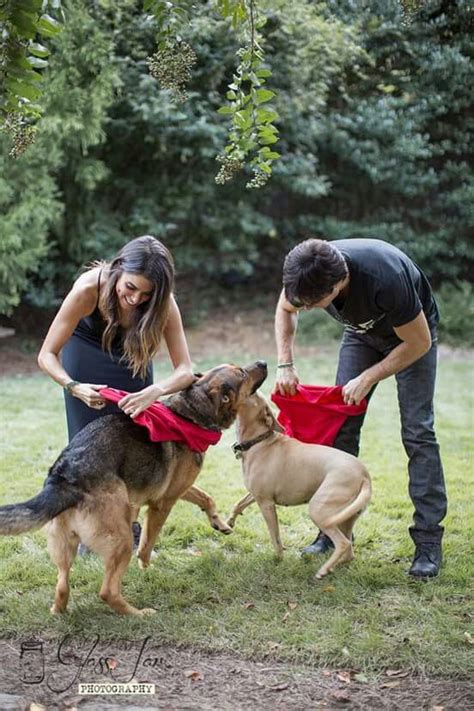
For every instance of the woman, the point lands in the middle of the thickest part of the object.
(108, 329)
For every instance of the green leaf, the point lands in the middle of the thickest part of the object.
(267, 140)
(26, 91)
(263, 73)
(38, 50)
(226, 110)
(24, 23)
(48, 26)
(263, 95)
(21, 74)
(38, 63)
(266, 115)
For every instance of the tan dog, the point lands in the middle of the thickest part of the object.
(279, 470)
(110, 468)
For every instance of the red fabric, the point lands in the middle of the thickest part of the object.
(316, 413)
(164, 425)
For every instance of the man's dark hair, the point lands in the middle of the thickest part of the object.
(311, 270)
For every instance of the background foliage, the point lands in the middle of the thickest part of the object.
(375, 140)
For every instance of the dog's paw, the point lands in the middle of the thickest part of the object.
(146, 611)
(143, 564)
(322, 572)
(55, 610)
(219, 525)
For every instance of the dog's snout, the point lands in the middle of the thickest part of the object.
(259, 365)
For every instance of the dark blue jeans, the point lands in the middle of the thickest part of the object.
(415, 386)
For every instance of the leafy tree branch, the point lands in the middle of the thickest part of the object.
(25, 25)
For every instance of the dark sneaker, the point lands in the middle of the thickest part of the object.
(83, 550)
(427, 560)
(322, 544)
(137, 532)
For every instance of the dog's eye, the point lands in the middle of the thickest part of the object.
(225, 399)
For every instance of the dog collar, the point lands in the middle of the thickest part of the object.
(239, 447)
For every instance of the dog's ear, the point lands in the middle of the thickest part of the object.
(271, 421)
(195, 404)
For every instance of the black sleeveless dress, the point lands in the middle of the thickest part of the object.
(84, 360)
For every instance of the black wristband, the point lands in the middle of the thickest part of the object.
(67, 388)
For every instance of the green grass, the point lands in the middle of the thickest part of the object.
(229, 593)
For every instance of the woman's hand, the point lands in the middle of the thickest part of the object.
(135, 403)
(286, 381)
(88, 394)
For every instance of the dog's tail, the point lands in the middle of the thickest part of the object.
(55, 498)
(355, 507)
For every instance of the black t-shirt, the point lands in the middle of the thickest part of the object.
(386, 288)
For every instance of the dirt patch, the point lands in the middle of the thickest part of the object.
(220, 335)
(51, 673)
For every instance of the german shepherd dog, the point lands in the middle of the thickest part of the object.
(112, 467)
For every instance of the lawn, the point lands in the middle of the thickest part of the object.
(229, 593)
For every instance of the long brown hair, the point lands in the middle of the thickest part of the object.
(148, 257)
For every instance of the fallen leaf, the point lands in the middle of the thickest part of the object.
(249, 605)
(341, 695)
(361, 678)
(197, 553)
(399, 673)
(329, 588)
(390, 684)
(37, 707)
(345, 652)
(292, 605)
(279, 687)
(326, 672)
(193, 675)
(437, 708)
(344, 676)
(285, 616)
(112, 663)
(469, 638)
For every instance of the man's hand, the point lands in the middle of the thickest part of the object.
(356, 389)
(286, 381)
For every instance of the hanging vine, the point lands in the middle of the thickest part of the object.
(25, 26)
(252, 130)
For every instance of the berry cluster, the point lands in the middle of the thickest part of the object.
(171, 66)
(229, 167)
(23, 134)
(258, 181)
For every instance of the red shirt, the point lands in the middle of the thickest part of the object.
(316, 413)
(164, 425)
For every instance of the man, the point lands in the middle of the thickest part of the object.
(390, 317)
